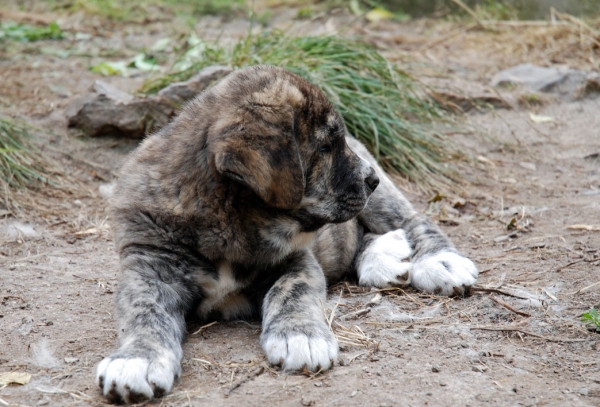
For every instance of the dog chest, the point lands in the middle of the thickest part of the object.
(222, 293)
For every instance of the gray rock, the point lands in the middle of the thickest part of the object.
(536, 78)
(567, 83)
(110, 111)
(181, 92)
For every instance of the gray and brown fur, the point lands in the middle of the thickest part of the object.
(246, 205)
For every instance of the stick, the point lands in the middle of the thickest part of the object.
(589, 228)
(204, 327)
(358, 313)
(510, 329)
(508, 307)
(584, 288)
(495, 290)
(255, 373)
(462, 5)
(334, 308)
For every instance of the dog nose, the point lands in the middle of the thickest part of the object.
(372, 180)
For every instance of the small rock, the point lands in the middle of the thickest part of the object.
(567, 83)
(435, 369)
(354, 393)
(308, 402)
(479, 369)
(502, 238)
(70, 361)
(443, 384)
(181, 92)
(584, 391)
(318, 384)
(106, 111)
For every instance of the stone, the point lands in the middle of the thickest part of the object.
(110, 111)
(107, 110)
(567, 83)
(181, 92)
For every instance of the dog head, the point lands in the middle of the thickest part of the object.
(279, 136)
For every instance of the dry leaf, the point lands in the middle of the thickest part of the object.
(378, 14)
(14, 378)
(541, 119)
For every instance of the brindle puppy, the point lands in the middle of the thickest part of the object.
(247, 204)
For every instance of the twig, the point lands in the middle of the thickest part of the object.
(589, 228)
(462, 5)
(204, 327)
(495, 290)
(524, 23)
(447, 37)
(359, 313)
(569, 264)
(584, 288)
(508, 307)
(254, 373)
(511, 329)
(333, 310)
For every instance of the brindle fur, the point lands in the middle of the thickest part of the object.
(247, 205)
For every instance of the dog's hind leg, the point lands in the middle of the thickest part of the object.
(436, 267)
(153, 297)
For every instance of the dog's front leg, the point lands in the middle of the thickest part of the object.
(295, 334)
(152, 298)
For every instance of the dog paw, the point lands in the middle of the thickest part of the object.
(385, 262)
(444, 273)
(297, 351)
(136, 379)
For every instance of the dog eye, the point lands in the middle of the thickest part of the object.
(326, 148)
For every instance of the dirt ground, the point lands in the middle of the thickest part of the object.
(517, 340)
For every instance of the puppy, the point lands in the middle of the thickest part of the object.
(247, 205)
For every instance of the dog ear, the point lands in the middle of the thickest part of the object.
(269, 164)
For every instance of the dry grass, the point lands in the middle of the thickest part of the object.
(564, 39)
(28, 175)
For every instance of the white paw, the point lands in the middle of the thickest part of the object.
(386, 262)
(444, 273)
(295, 351)
(136, 379)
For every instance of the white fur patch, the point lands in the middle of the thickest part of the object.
(135, 377)
(297, 351)
(386, 262)
(222, 293)
(444, 273)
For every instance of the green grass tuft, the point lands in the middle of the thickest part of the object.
(138, 10)
(382, 105)
(23, 32)
(591, 319)
(22, 165)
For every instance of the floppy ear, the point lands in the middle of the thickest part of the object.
(268, 164)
